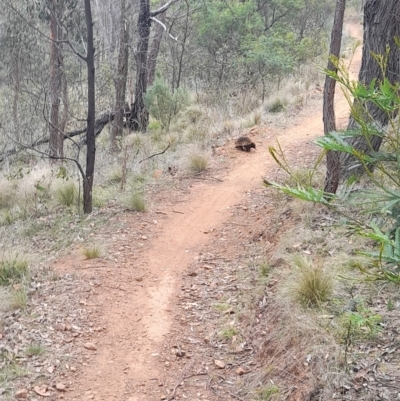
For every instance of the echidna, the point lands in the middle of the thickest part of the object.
(244, 143)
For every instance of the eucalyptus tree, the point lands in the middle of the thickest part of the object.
(381, 38)
(139, 115)
(332, 158)
(121, 76)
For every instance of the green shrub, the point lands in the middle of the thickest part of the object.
(12, 269)
(163, 104)
(268, 393)
(66, 195)
(136, 202)
(373, 210)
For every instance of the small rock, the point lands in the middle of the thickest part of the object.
(219, 364)
(240, 371)
(21, 394)
(50, 369)
(90, 346)
(61, 387)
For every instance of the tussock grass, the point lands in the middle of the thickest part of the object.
(92, 252)
(228, 333)
(114, 176)
(310, 284)
(197, 163)
(253, 119)
(7, 217)
(269, 393)
(19, 298)
(13, 269)
(264, 268)
(136, 202)
(35, 350)
(66, 195)
(228, 127)
(276, 106)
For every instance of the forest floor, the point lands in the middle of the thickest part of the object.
(152, 298)
(154, 317)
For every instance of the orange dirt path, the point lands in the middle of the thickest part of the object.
(135, 301)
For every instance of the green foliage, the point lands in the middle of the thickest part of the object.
(12, 269)
(378, 202)
(268, 393)
(66, 194)
(361, 324)
(136, 202)
(228, 333)
(245, 42)
(264, 268)
(163, 104)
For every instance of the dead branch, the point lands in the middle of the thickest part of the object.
(156, 154)
(100, 123)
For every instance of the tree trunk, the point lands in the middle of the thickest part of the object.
(332, 158)
(64, 84)
(183, 46)
(90, 135)
(139, 118)
(120, 81)
(381, 26)
(155, 48)
(17, 82)
(56, 137)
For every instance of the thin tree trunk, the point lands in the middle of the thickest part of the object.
(17, 83)
(183, 46)
(56, 137)
(139, 118)
(90, 134)
(332, 158)
(381, 26)
(120, 81)
(64, 84)
(155, 48)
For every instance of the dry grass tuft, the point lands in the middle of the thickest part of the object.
(13, 269)
(310, 284)
(197, 163)
(136, 202)
(66, 194)
(92, 252)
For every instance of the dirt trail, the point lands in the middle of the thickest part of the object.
(135, 287)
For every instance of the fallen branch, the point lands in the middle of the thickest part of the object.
(156, 154)
(100, 123)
